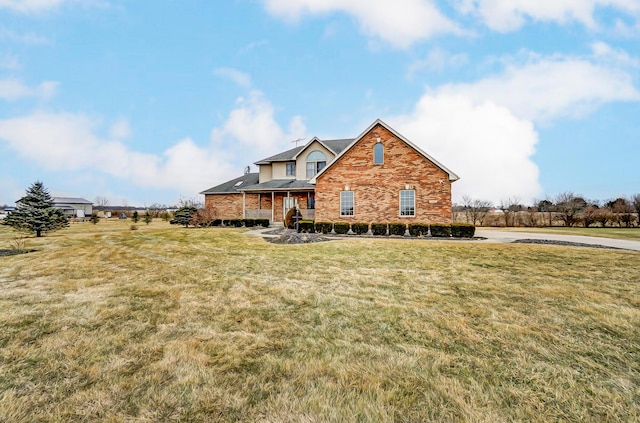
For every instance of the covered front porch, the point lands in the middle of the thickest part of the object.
(274, 204)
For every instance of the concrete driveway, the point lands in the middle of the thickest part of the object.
(511, 236)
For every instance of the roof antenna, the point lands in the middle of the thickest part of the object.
(298, 140)
(247, 170)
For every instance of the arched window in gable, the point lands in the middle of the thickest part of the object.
(378, 153)
(316, 161)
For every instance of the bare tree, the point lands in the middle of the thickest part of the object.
(622, 211)
(509, 208)
(101, 201)
(190, 202)
(568, 205)
(635, 202)
(475, 210)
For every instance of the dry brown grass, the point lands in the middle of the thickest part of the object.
(165, 323)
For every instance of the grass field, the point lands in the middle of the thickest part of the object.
(102, 323)
(616, 233)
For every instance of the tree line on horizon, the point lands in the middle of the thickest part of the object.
(565, 209)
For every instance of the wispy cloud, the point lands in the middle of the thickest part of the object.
(240, 78)
(505, 16)
(401, 23)
(437, 60)
(13, 89)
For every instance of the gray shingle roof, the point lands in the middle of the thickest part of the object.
(334, 145)
(279, 185)
(231, 187)
(70, 200)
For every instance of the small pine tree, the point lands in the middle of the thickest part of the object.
(35, 212)
(94, 218)
(183, 216)
(135, 216)
(147, 218)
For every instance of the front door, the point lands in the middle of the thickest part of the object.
(288, 203)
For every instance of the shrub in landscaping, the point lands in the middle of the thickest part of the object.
(418, 229)
(216, 222)
(360, 228)
(236, 223)
(462, 230)
(341, 227)
(440, 230)
(397, 228)
(306, 226)
(249, 223)
(262, 222)
(324, 227)
(379, 228)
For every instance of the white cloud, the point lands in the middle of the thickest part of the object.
(30, 6)
(68, 142)
(251, 125)
(510, 15)
(240, 78)
(120, 130)
(12, 89)
(546, 88)
(485, 144)
(400, 23)
(28, 38)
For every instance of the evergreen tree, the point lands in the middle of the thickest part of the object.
(35, 213)
(135, 216)
(147, 217)
(183, 216)
(94, 218)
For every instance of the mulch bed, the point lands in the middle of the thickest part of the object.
(14, 252)
(289, 236)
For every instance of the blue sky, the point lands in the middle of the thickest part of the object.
(153, 102)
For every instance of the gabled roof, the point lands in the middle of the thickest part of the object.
(452, 176)
(232, 186)
(70, 200)
(336, 146)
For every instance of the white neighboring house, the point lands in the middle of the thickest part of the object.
(5, 211)
(73, 207)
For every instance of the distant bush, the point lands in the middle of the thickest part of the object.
(397, 228)
(341, 227)
(379, 228)
(360, 228)
(462, 230)
(324, 227)
(306, 226)
(440, 230)
(418, 229)
(133, 227)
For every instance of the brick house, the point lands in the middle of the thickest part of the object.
(380, 176)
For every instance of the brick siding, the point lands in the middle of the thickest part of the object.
(377, 187)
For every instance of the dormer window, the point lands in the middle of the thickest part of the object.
(378, 153)
(316, 161)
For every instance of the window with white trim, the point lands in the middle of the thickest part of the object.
(407, 202)
(316, 161)
(378, 153)
(346, 203)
